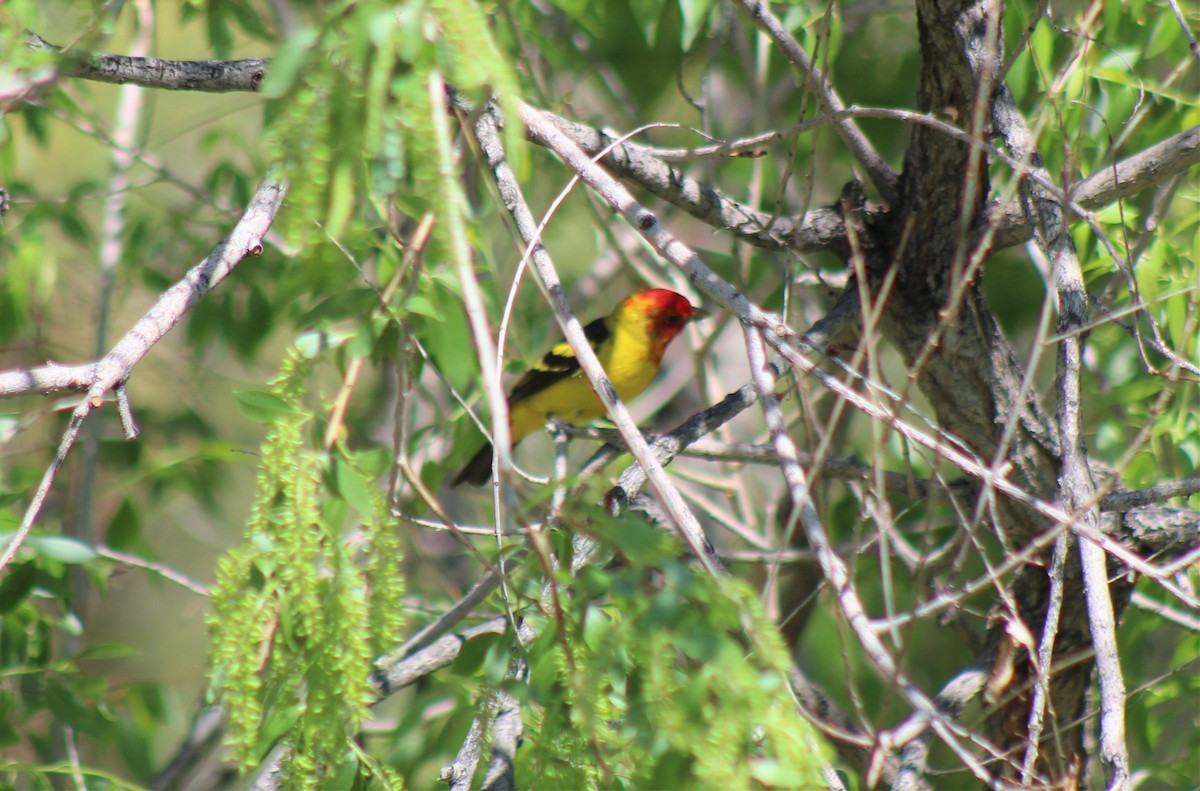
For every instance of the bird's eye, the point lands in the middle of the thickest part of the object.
(673, 319)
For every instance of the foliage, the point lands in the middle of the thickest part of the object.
(295, 623)
(654, 676)
(642, 672)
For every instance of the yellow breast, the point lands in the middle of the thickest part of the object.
(631, 360)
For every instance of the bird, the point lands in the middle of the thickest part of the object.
(629, 342)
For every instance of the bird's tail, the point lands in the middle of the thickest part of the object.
(478, 470)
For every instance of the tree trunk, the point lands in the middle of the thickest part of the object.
(938, 318)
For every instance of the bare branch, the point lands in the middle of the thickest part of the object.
(1193, 44)
(952, 699)
(447, 621)
(666, 447)
(192, 764)
(114, 369)
(1124, 501)
(162, 570)
(822, 229)
(1181, 619)
(46, 379)
(499, 716)
(210, 76)
(398, 672)
(461, 771)
(506, 737)
(1127, 177)
(689, 439)
(1045, 657)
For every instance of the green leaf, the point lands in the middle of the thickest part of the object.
(449, 341)
(473, 653)
(107, 651)
(9, 737)
(647, 13)
(672, 770)
(496, 662)
(64, 550)
(342, 196)
(423, 306)
(220, 37)
(695, 15)
(70, 709)
(125, 528)
(288, 63)
(16, 585)
(74, 226)
(279, 722)
(356, 490)
(251, 21)
(261, 406)
(347, 303)
(70, 624)
(545, 675)
(771, 774)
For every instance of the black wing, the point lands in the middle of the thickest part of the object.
(558, 364)
(478, 470)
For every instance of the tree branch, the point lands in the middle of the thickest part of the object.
(1127, 177)
(115, 368)
(1124, 501)
(46, 379)
(834, 569)
(209, 76)
(822, 229)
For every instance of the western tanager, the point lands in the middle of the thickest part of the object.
(630, 343)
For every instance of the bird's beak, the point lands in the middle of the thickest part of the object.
(699, 314)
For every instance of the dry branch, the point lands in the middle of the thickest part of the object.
(115, 368)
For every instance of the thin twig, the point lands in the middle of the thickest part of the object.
(1193, 44)
(1125, 501)
(166, 572)
(882, 175)
(445, 622)
(1180, 619)
(1045, 656)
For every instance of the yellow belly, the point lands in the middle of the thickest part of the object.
(631, 367)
